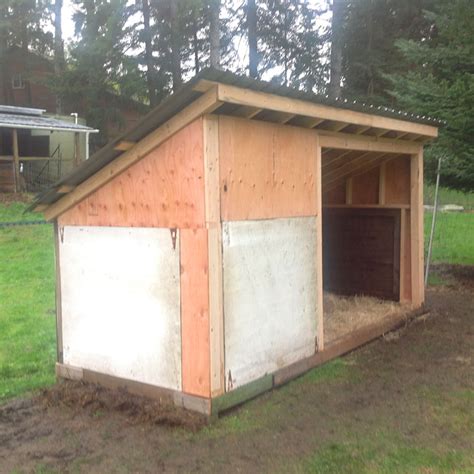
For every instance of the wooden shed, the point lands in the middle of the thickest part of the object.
(193, 252)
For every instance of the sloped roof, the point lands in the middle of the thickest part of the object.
(191, 92)
(33, 119)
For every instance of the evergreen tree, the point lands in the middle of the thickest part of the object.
(440, 83)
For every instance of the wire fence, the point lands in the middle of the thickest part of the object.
(453, 241)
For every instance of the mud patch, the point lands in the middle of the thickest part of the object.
(96, 401)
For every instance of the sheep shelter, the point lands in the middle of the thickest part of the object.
(193, 252)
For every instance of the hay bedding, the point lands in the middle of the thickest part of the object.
(344, 314)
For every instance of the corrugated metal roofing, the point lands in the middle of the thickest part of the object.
(11, 109)
(179, 100)
(40, 122)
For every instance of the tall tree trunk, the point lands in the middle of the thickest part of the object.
(196, 45)
(150, 71)
(5, 77)
(214, 36)
(337, 23)
(252, 38)
(175, 49)
(58, 49)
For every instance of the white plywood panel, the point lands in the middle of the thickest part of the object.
(270, 312)
(121, 302)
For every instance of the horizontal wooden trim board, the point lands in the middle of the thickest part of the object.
(212, 408)
(205, 104)
(344, 345)
(366, 206)
(190, 402)
(345, 141)
(263, 100)
(242, 394)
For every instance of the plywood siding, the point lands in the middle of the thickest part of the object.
(397, 181)
(270, 305)
(266, 170)
(120, 299)
(195, 312)
(164, 189)
(365, 187)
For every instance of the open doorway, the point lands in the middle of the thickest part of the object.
(366, 199)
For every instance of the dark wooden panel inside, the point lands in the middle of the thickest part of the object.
(361, 252)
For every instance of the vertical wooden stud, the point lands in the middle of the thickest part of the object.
(194, 312)
(403, 217)
(382, 173)
(16, 160)
(213, 223)
(349, 190)
(319, 248)
(416, 226)
(59, 320)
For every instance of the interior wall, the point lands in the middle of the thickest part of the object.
(389, 187)
(120, 298)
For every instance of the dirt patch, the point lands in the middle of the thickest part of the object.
(96, 401)
(344, 314)
(459, 277)
(415, 392)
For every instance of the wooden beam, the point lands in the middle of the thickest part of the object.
(361, 129)
(349, 167)
(358, 169)
(16, 160)
(365, 143)
(124, 145)
(247, 112)
(330, 162)
(204, 104)
(349, 190)
(319, 251)
(263, 100)
(213, 223)
(416, 228)
(403, 218)
(41, 208)
(65, 188)
(284, 117)
(382, 177)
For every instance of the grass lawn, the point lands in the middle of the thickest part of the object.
(27, 304)
(369, 436)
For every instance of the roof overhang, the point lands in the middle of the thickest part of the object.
(339, 127)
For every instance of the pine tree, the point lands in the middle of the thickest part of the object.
(440, 83)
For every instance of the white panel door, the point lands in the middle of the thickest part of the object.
(121, 302)
(269, 295)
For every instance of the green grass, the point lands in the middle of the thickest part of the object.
(453, 239)
(448, 196)
(27, 304)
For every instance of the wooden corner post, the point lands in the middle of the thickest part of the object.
(16, 160)
(319, 247)
(416, 226)
(213, 224)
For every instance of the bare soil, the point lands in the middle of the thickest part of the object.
(411, 387)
